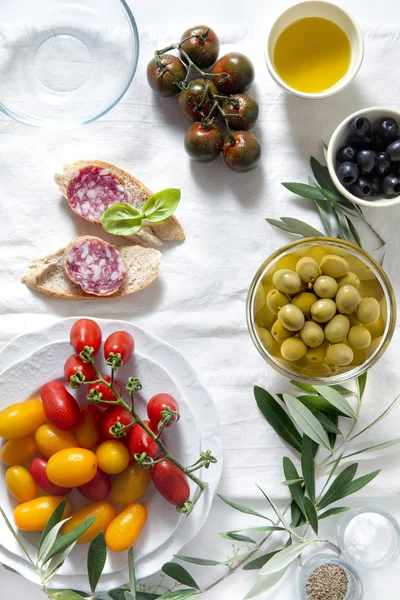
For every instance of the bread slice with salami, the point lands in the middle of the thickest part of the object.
(92, 186)
(90, 268)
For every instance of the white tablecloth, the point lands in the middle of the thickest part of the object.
(198, 302)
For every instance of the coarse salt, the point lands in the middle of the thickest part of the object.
(368, 537)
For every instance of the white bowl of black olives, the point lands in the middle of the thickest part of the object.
(364, 157)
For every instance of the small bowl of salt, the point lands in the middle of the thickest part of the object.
(369, 537)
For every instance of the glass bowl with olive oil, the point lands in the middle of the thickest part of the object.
(314, 49)
(321, 311)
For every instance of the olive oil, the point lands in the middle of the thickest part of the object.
(312, 54)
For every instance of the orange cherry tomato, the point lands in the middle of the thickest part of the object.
(88, 433)
(50, 440)
(19, 420)
(15, 452)
(124, 530)
(33, 515)
(72, 467)
(104, 513)
(131, 484)
(113, 456)
(20, 483)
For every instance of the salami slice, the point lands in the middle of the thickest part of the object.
(95, 265)
(92, 190)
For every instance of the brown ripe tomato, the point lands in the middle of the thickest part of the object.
(38, 472)
(195, 101)
(164, 77)
(140, 441)
(15, 452)
(171, 482)
(85, 332)
(19, 420)
(98, 488)
(243, 154)
(203, 142)
(34, 515)
(20, 483)
(240, 72)
(105, 391)
(120, 342)
(72, 467)
(241, 111)
(104, 513)
(124, 530)
(202, 47)
(74, 364)
(112, 415)
(131, 484)
(61, 408)
(50, 440)
(88, 433)
(157, 404)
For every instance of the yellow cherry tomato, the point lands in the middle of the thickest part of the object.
(131, 484)
(104, 513)
(124, 530)
(15, 452)
(72, 467)
(113, 456)
(50, 440)
(20, 483)
(33, 515)
(19, 420)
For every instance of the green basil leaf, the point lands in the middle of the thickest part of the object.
(333, 511)
(306, 421)
(54, 519)
(283, 558)
(241, 507)
(308, 467)
(161, 205)
(69, 538)
(302, 228)
(280, 225)
(334, 492)
(336, 399)
(361, 383)
(180, 574)
(277, 418)
(96, 559)
(311, 514)
(203, 562)
(259, 562)
(304, 190)
(264, 584)
(296, 489)
(122, 219)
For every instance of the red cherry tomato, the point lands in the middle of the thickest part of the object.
(140, 441)
(60, 406)
(111, 416)
(74, 363)
(120, 342)
(171, 482)
(88, 433)
(38, 472)
(157, 404)
(85, 332)
(98, 488)
(107, 394)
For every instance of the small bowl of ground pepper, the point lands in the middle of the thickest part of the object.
(327, 577)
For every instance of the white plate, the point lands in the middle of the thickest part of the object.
(170, 372)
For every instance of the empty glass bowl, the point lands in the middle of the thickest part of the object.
(64, 63)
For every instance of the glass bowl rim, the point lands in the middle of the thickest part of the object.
(366, 258)
(53, 124)
(322, 559)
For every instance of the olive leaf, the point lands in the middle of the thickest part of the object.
(132, 576)
(333, 511)
(277, 418)
(161, 205)
(283, 558)
(336, 399)
(96, 559)
(49, 540)
(259, 562)
(308, 467)
(296, 489)
(302, 228)
(361, 383)
(10, 527)
(321, 174)
(64, 595)
(122, 219)
(375, 447)
(289, 482)
(310, 388)
(303, 189)
(378, 419)
(280, 225)
(342, 479)
(264, 584)
(57, 561)
(311, 514)
(69, 538)
(236, 537)
(278, 513)
(352, 487)
(55, 518)
(314, 402)
(306, 421)
(203, 562)
(180, 594)
(296, 515)
(327, 423)
(241, 507)
(180, 574)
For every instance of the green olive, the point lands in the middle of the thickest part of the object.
(305, 301)
(340, 355)
(373, 346)
(347, 299)
(353, 320)
(317, 369)
(312, 334)
(323, 310)
(317, 253)
(293, 349)
(291, 317)
(334, 266)
(325, 286)
(287, 281)
(279, 332)
(259, 300)
(307, 269)
(275, 300)
(349, 279)
(359, 337)
(266, 338)
(316, 355)
(337, 328)
(368, 311)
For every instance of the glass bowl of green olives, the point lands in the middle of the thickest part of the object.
(321, 310)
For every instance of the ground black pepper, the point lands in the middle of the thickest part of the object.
(327, 582)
